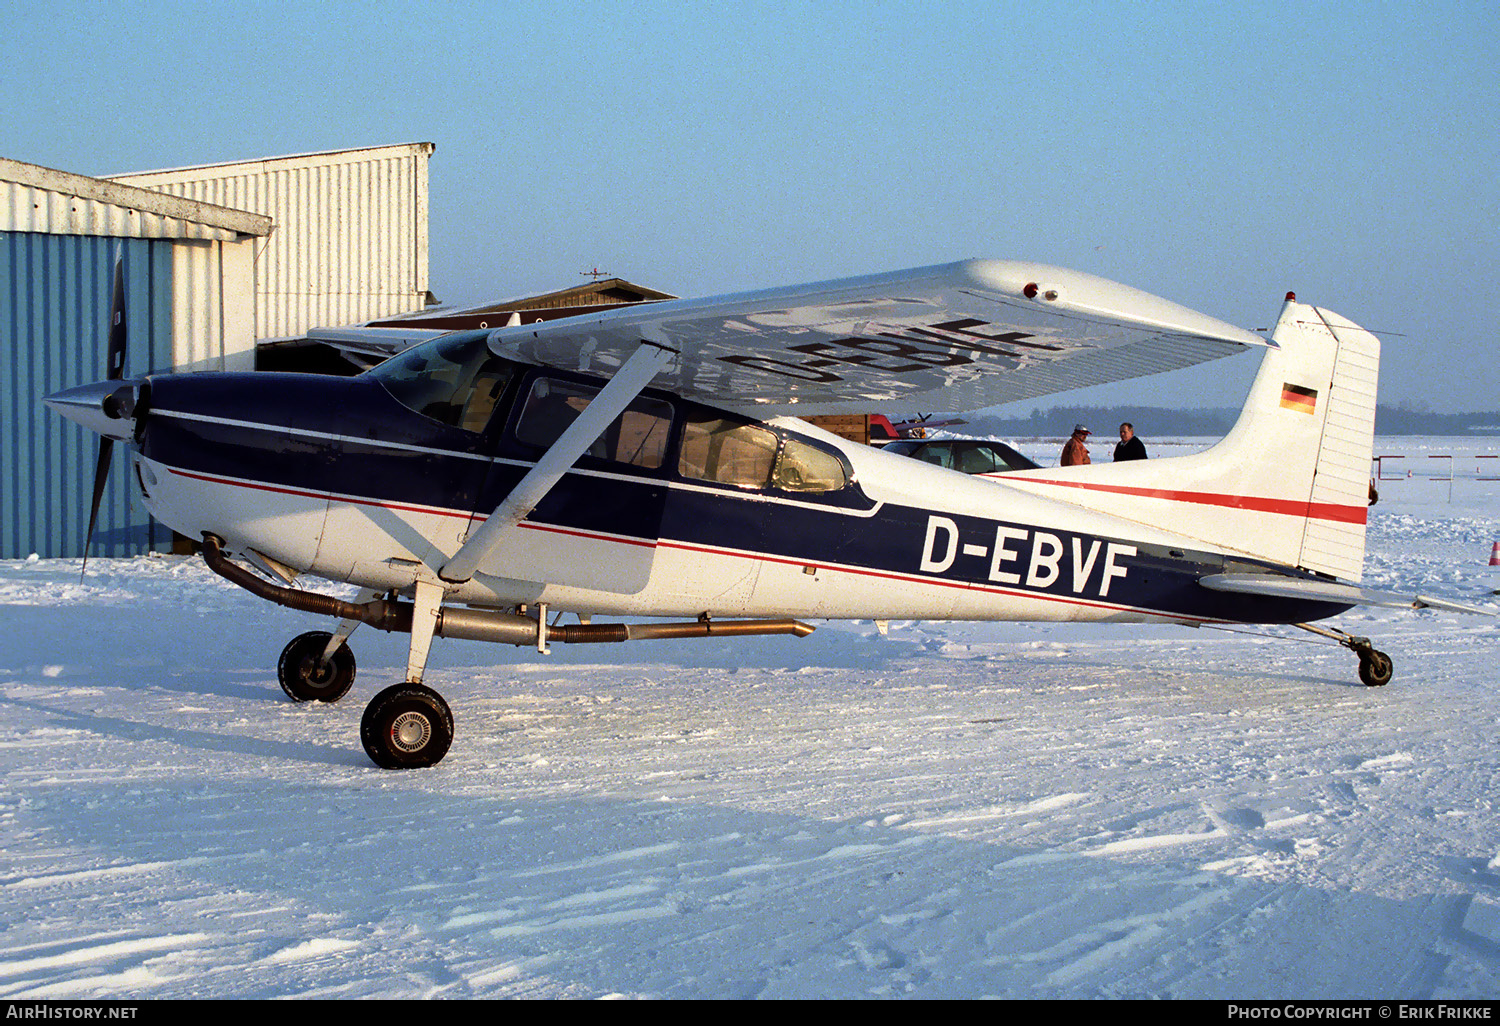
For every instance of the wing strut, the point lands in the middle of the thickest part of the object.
(628, 382)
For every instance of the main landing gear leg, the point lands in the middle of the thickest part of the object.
(1375, 668)
(409, 725)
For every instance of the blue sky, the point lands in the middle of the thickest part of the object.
(1215, 154)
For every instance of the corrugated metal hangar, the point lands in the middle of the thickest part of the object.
(215, 258)
(350, 231)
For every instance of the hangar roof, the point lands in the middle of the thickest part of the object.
(545, 307)
(260, 165)
(42, 199)
(346, 350)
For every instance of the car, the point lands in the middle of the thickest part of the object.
(967, 455)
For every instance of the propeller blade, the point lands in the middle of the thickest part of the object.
(115, 361)
(101, 478)
(114, 371)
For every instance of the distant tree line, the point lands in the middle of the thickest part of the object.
(1058, 422)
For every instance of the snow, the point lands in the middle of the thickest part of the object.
(956, 810)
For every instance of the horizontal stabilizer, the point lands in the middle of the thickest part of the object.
(1331, 591)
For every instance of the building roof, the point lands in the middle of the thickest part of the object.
(256, 165)
(42, 199)
(544, 307)
(347, 350)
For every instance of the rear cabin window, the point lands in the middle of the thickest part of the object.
(454, 380)
(750, 456)
(803, 468)
(638, 436)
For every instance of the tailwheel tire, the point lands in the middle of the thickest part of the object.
(1375, 669)
(306, 678)
(406, 726)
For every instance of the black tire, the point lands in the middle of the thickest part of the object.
(406, 726)
(1375, 669)
(303, 675)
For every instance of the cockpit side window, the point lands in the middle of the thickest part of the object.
(638, 436)
(454, 380)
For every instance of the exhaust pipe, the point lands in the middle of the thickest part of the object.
(514, 629)
(381, 613)
(483, 624)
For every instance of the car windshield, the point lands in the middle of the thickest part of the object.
(968, 456)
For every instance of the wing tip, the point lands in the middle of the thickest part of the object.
(1079, 292)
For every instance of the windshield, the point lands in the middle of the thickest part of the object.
(454, 379)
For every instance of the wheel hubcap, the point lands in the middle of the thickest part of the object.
(410, 731)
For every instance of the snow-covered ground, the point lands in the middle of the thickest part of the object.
(951, 811)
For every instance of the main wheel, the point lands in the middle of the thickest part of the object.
(1375, 669)
(406, 726)
(306, 678)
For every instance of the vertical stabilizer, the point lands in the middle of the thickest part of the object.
(1290, 482)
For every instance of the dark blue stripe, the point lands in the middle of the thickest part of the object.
(638, 503)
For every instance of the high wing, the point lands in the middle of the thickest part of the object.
(949, 337)
(366, 346)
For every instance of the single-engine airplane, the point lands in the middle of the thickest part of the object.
(647, 462)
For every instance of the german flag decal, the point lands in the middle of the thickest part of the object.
(1295, 397)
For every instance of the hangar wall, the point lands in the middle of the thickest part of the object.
(189, 305)
(53, 332)
(216, 258)
(351, 237)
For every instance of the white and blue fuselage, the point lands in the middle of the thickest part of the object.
(339, 479)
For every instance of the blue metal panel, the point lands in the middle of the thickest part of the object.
(54, 304)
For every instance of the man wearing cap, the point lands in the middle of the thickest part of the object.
(1075, 453)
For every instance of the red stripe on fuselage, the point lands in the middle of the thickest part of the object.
(732, 553)
(937, 582)
(326, 496)
(1258, 504)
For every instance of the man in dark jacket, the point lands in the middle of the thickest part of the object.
(1130, 447)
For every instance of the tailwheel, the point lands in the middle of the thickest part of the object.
(406, 726)
(304, 674)
(1375, 668)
